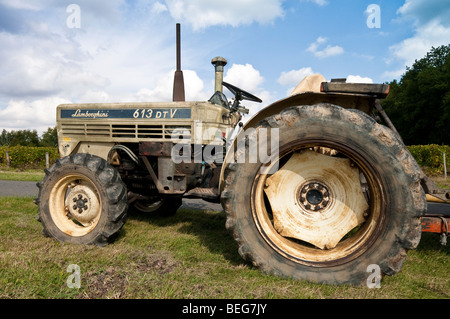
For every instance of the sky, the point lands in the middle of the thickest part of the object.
(81, 51)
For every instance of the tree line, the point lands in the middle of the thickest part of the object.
(419, 104)
(29, 138)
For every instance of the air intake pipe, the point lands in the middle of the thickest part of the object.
(218, 63)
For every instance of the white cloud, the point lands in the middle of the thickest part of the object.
(390, 75)
(20, 4)
(318, 2)
(358, 79)
(95, 96)
(427, 36)
(204, 13)
(292, 78)
(45, 62)
(424, 11)
(159, 8)
(38, 114)
(328, 51)
(247, 78)
(163, 90)
(244, 76)
(431, 29)
(41, 64)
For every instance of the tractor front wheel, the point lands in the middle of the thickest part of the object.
(82, 200)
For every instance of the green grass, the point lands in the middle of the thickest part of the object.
(189, 255)
(442, 182)
(10, 174)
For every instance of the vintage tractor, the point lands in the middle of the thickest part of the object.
(313, 186)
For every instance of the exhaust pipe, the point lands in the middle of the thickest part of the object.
(218, 63)
(178, 83)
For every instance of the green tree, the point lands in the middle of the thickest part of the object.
(419, 104)
(49, 137)
(25, 138)
(5, 138)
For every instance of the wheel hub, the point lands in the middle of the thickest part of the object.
(316, 198)
(82, 204)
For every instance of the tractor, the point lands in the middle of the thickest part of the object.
(317, 186)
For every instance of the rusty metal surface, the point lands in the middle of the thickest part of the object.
(435, 224)
(379, 90)
(155, 148)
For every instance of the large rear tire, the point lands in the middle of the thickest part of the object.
(82, 200)
(346, 198)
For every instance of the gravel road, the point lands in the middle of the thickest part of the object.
(20, 188)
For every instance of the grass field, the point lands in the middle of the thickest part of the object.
(11, 174)
(189, 255)
(442, 182)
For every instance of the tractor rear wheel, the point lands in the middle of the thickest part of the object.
(82, 200)
(342, 197)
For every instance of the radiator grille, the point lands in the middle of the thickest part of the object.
(126, 131)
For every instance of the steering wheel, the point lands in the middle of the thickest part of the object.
(241, 94)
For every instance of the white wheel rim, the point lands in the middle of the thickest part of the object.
(280, 231)
(75, 206)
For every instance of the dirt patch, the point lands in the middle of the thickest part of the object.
(159, 262)
(115, 282)
(109, 283)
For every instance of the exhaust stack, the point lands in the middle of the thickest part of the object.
(219, 63)
(178, 83)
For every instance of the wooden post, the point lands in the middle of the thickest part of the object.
(445, 166)
(47, 164)
(8, 162)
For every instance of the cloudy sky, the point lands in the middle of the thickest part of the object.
(56, 51)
